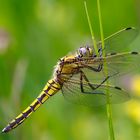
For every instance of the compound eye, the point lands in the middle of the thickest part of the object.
(82, 52)
(85, 52)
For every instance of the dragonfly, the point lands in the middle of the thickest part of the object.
(81, 76)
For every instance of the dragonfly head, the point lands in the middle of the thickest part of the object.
(85, 52)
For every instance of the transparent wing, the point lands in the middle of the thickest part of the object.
(72, 92)
(120, 40)
(118, 65)
(121, 63)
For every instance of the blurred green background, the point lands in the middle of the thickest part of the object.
(34, 34)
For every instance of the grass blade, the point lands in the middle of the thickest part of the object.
(108, 105)
(91, 29)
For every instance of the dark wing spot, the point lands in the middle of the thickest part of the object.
(113, 53)
(134, 53)
(128, 28)
(118, 88)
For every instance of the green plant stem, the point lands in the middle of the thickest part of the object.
(108, 105)
(91, 29)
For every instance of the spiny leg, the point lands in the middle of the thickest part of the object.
(100, 65)
(82, 75)
(95, 69)
(81, 82)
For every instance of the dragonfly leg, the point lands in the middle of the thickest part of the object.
(95, 69)
(106, 78)
(83, 76)
(81, 83)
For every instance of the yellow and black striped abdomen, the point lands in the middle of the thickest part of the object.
(50, 89)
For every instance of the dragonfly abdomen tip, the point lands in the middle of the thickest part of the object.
(4, 130)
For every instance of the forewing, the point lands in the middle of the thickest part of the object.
(120, 40)
(120, 63)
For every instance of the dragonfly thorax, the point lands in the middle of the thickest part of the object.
(85, 52)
